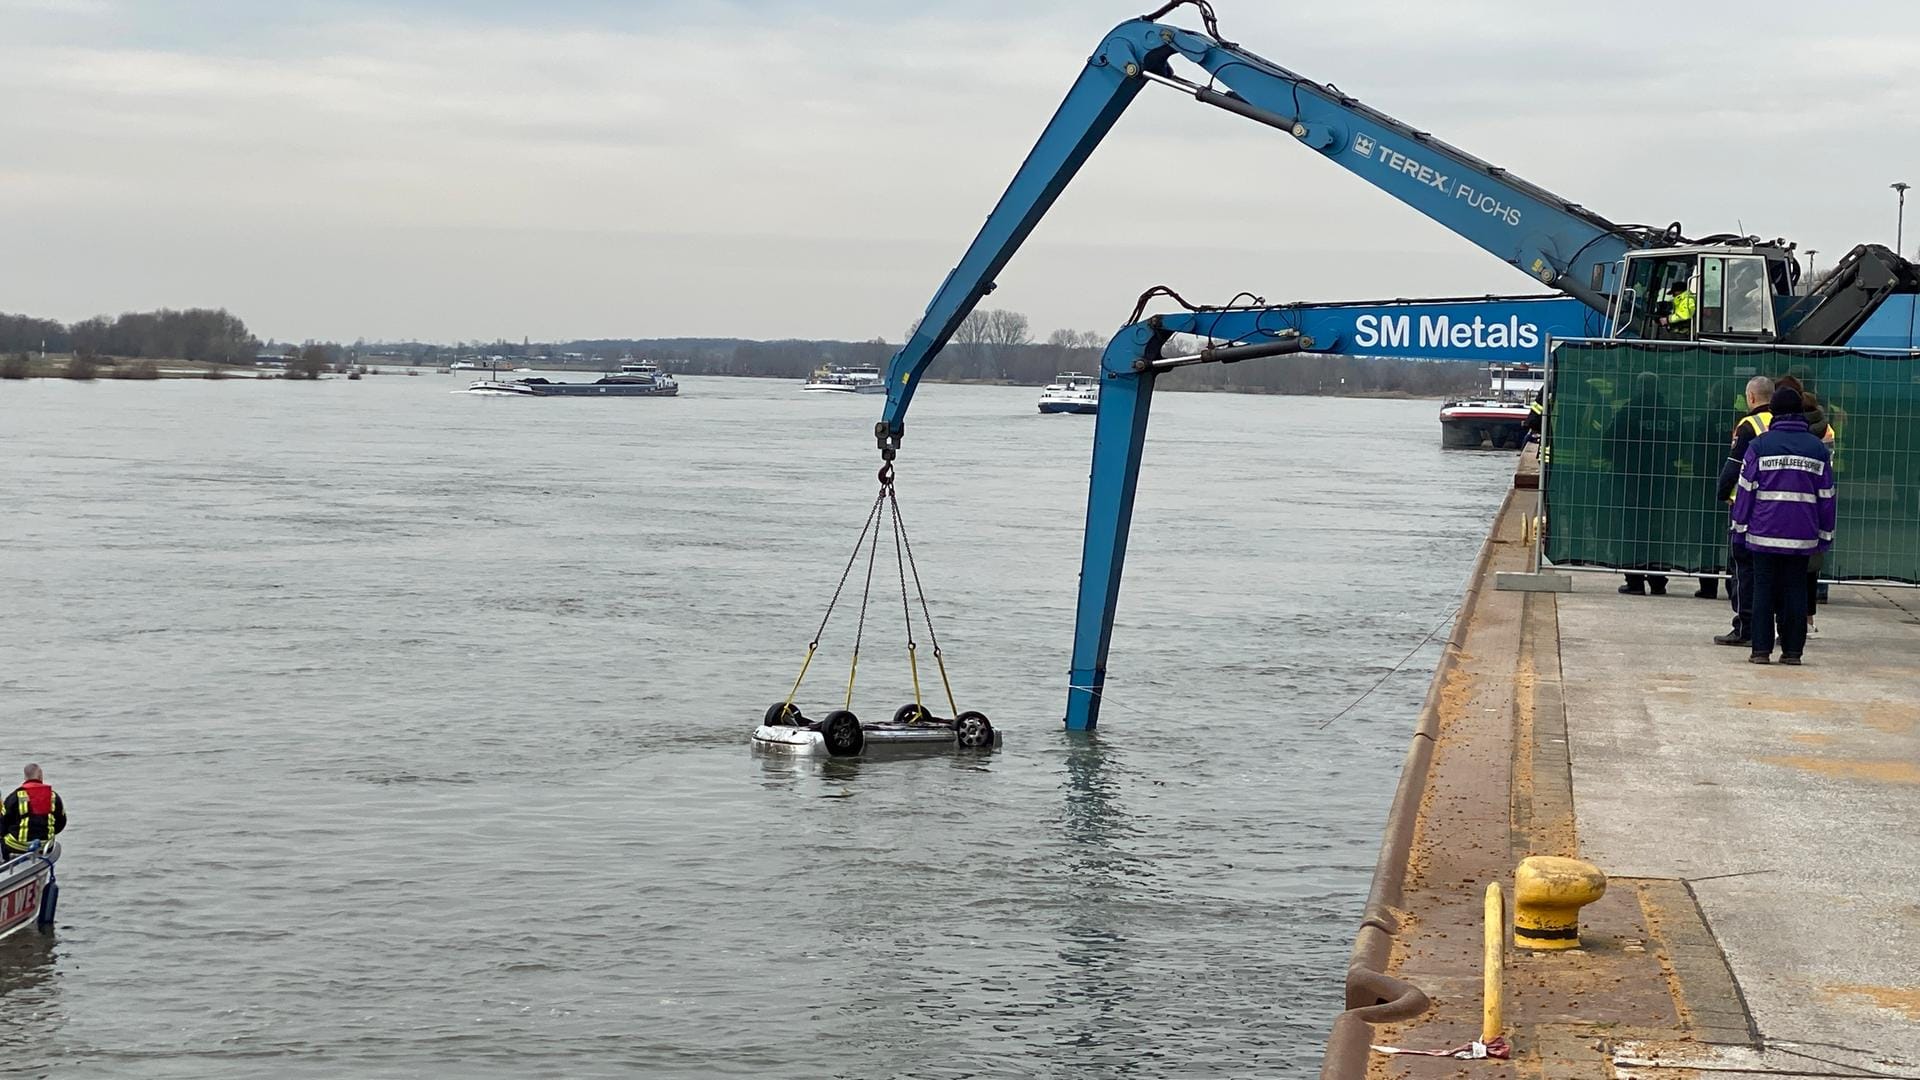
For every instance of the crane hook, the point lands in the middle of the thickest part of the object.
(888, 440)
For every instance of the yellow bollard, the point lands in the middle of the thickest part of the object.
(1492, 978)
(1548, 893)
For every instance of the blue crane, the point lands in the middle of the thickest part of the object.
(1608, 278)
(1507, 328)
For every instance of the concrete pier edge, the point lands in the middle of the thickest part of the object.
(1755, 824)
(1372, 996)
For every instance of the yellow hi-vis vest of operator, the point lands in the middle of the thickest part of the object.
(1682, 307)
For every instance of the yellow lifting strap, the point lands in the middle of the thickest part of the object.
(903, 557)
(913, 664)
(804, 664)
(944, 681)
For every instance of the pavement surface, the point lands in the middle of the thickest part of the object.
(1787, 799)
(1760, 827)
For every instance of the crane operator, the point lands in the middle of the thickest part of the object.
(1679, 317)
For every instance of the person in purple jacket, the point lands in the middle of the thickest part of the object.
(1783, 514)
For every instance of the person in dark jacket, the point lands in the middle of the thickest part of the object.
(1707, 531)
(1816, 419)
(1740, 567)
(1641, 443)
(33, 811)
(1783, 515)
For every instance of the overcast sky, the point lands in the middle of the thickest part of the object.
(451, 170)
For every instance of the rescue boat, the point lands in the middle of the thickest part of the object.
(28, 892)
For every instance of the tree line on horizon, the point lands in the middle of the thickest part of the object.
(205, 335)
(991, 345)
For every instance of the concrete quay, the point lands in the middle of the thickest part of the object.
(1760, 827)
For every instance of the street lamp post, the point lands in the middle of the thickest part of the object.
(1900, 222)
(1812, 267)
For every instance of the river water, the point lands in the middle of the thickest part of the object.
(404, 732)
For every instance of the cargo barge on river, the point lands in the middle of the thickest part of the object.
(635, 380)
(1497, 419)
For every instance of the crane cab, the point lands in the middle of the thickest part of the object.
(1736, 293)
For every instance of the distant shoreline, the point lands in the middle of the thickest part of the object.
(131, 369)
(1383, 395)
(54, 367)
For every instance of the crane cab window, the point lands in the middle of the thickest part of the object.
(1713, 297)
(1748, 309)
(1646, 302)
(1731, 297)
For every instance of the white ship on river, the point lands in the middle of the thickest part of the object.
(1071, 392)
(833, 379)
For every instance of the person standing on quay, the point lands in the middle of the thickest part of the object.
(1641, 443)
(1816, 419)
(1740, 583)
(33, 811)
(1783, 515)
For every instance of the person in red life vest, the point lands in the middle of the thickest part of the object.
(33, 811)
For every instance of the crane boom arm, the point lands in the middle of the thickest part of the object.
(1493, 328)
(1556, 241)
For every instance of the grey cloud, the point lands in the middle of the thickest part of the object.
(780, 169)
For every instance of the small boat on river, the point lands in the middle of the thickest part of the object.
(28, 893)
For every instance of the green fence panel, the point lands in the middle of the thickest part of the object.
(1636, 433)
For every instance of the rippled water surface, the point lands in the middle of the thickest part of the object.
(404, 732)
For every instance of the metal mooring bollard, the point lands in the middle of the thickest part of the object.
(1548, 893)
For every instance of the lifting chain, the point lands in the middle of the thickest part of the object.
(873, 514)
(887, 503)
